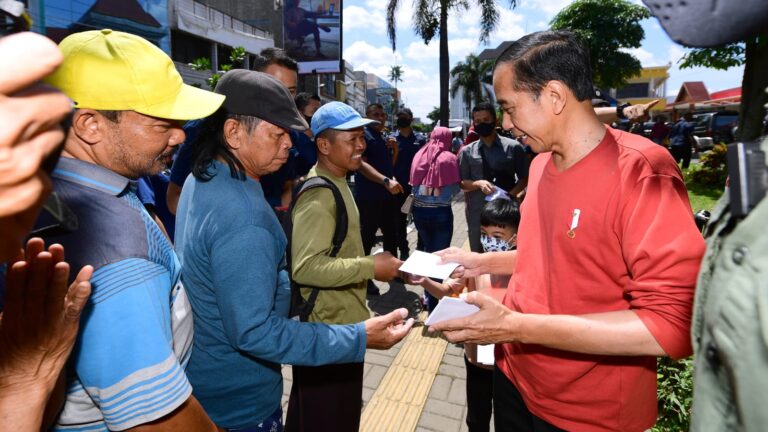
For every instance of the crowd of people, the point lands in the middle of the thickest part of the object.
(138, 299)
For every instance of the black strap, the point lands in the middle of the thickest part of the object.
(339, 232)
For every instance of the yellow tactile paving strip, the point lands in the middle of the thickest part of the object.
(398, 402)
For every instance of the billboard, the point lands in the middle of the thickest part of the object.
(146, 18)
(312, 34)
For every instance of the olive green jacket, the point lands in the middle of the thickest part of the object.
(342, 279)
(730, 324)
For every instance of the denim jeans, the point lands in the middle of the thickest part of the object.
(435, 227)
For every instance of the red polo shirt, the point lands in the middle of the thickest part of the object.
(635, 247)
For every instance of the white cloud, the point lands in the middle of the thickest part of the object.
(356, 17)
(509, 27)
(549, 7)
(420, 51)
(362, 52)
(646, 57)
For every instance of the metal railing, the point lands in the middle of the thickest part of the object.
(219, 19)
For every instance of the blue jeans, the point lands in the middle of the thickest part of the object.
(435, 226)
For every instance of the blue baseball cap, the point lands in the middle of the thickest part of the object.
(337, 115)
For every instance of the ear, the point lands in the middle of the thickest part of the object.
(557, 95)
(232, 133)
(323, 146)
(89, 126)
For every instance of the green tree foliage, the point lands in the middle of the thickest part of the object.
(468, 76)
(431, 19)
(434, 115)
(608, 27)
(395, 75)
(722, 58)
(753, 54)
(236, 57)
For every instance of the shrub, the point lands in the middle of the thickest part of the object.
(711, 170)
(675, 394)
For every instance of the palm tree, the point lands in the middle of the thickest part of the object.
(468, 76)
(430, 17)
(395, 75)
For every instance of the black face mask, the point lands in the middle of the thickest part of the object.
(403, 122)
(485, 129)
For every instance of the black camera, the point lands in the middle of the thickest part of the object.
(748, 176)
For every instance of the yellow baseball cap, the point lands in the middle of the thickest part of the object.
(110, 70)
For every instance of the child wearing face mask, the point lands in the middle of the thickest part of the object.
(499, 221)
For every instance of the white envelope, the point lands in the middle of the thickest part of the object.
(449, 308)
(485, 354)
(427, 264)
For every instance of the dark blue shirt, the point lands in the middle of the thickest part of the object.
(151, 192)
(681, 133)
(306, 154)
(407, 147)
(378, 156)
(182, 164)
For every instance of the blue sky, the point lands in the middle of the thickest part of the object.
(367, 47)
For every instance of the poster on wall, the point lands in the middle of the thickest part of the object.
(312, 34)
(146, 18)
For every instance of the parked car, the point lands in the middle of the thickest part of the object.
(719, 126)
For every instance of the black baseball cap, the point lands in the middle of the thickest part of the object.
(709, 23)
(262, 96)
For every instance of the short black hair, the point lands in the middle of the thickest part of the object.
(546, 56)
(484, 106)
(405, 111)
(211, 145)
(302, 99)
(269, 56)
(502, 213)
(372, 106)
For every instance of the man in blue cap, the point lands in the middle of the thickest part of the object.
(330, 395)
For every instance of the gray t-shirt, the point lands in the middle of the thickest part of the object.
(507, 162)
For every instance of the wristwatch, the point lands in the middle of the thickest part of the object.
(386, 181)
(620, 110)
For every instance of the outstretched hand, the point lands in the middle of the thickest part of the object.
(384, 331)
(41, 317)
(639, 111)
(494, 323)
(470, 264)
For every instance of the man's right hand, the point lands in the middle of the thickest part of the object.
(393, 187)
(384, 331)
(485, 186)
(385, 266)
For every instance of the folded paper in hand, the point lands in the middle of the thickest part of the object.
(427, 264)
(449, 308)
(485, 354)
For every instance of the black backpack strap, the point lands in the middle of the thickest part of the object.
(339, 232)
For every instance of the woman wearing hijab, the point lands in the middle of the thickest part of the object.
(435, 180)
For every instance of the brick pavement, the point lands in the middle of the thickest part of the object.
(444, 409)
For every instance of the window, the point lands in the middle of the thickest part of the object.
(637, 90)
(185, 48)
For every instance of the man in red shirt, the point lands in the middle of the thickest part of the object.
(609, 256)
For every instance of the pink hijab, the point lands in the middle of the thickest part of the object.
(434, 165)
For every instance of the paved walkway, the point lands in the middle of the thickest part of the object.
(419, 384)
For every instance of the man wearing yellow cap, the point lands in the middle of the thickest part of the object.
(127, 369)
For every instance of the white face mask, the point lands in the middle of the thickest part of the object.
(493, 244)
